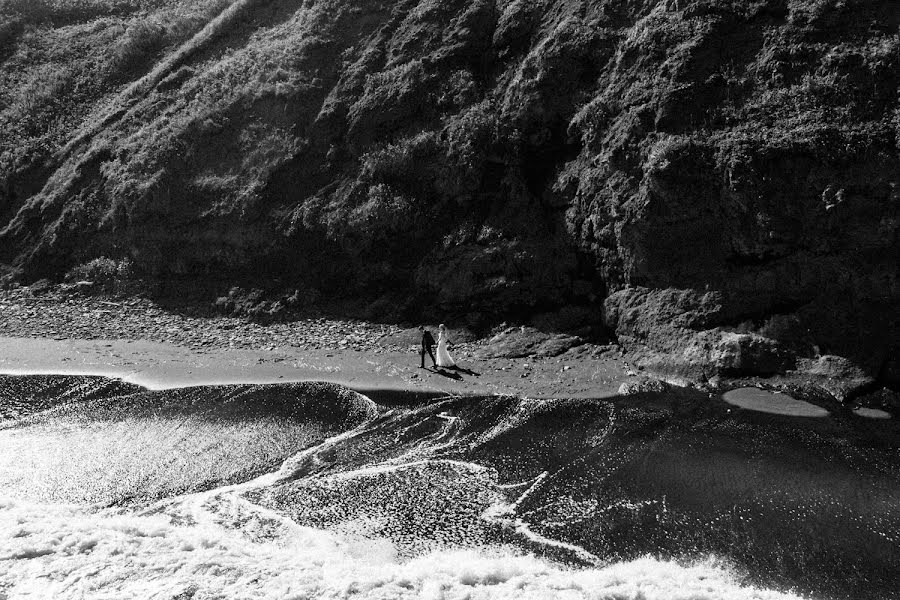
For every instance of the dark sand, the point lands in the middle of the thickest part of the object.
(165, 365)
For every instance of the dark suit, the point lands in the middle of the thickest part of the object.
(427, 343)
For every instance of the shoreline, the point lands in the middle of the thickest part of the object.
(390, 381)
(140, 342)
(156, 366)
(137, 339)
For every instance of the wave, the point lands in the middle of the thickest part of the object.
(95, 441)
(64, 552)
(582, 482)
(497, 496)
(24, 395)
(100, 398)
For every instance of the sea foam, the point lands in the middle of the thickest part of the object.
(57, 551)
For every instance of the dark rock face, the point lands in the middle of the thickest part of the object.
(724, 174)
(518, 342)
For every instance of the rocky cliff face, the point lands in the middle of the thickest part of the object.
(715, 180)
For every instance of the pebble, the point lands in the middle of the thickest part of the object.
(55, 316)
(52, 316)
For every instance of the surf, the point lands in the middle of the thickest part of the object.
(315, 490)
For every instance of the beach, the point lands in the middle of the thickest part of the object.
(135, 434)
(139, 341)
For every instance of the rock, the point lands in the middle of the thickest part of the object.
(520, 342)
(77, 287)
(675, 335)
(747, 353)
(643, 385)
(42, 286)
(883, 399)
(837, 375)
(84, 287)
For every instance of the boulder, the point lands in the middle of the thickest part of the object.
(837, 375)
(642, 385)
(519, 342)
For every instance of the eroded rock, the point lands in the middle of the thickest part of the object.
(642, 385)
(519, 342)
(837, 375)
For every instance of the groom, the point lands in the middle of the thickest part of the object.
(427, 343)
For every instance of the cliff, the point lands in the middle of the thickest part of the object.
(713, 181)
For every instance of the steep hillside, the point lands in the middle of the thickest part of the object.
(714, 179)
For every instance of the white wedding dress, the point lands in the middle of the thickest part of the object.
(443, 356)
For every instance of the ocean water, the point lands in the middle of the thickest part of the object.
(108, 490)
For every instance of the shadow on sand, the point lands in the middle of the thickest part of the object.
(446, 373)
(459, 369)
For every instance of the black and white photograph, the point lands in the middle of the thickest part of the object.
(449, 300)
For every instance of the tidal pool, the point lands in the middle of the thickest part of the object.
(872, 413)
(751, 398)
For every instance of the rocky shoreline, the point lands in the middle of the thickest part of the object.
(510, 359)
(108, 334)
(56, 315)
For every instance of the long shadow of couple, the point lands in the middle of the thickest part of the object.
(453, 372)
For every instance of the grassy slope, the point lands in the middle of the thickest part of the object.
(499, 156)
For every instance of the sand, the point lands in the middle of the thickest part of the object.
(159, 365)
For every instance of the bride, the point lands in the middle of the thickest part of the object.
(443, 357)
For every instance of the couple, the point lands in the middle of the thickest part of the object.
(443, 356)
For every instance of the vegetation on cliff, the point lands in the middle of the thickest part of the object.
(715, 180)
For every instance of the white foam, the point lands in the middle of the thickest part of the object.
(67, 552)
